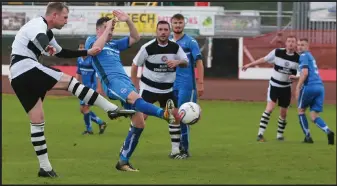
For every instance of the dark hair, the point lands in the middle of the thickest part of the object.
(163, 23)
(101, 21)
(55, 6)
(177, 16)
(305, 39)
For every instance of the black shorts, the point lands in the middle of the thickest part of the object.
(34, 84)
(282, 95)
(161, 98)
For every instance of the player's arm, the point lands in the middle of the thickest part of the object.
(134, 35)
(182, 58)
(38, 36)
(138, 61)
(268, 58)
(303, 70)
(100, 42)
(195, 50)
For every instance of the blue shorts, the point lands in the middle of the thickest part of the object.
(183, 96)
(119, 90)
(312, 96)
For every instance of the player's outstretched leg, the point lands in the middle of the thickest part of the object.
(322, 125)
(130, 143)
(91, 97)
(102, 124)
(305, 126)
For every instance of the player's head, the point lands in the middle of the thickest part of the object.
(81, 45)
(291, 43)
(178, 23)
(303, 45)
(163, 31)
(101, 25)
(57, 12)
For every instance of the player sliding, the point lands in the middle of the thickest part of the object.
(31, 80)
(310, 93)
(87, 75)
(118, 86)
(285, 64)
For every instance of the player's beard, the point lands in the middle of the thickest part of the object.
(178, 32)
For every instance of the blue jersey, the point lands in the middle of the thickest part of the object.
(309, 62)
(108, 63)
(88, 73)
(185, 77)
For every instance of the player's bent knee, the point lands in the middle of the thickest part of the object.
(63, 83)
(85, 109)
(145, 116)
(132, 97)
(300, 111)
(283, 112)
(36, 114)
(270, 106)
(313, 115)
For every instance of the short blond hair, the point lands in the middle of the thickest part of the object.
(55, 7)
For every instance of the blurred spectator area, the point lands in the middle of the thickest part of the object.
(83, 3)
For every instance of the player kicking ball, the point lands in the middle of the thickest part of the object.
(117, 85)
(310, 94)
(87, 74)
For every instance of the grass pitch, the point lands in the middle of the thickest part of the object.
(223, 148)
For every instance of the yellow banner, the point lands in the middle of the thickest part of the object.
(145, 23)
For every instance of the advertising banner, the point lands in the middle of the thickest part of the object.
(237, 25)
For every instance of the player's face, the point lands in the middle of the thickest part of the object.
(60, 18)
(304, 46)
(291, 43)
(101, 29)
(81, 47)
(163, 32)
(178, 25)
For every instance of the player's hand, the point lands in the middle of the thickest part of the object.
(121, 16)
(172, 63)
(200, 88)
(111, 24)
(94, 51)
(292, 77)
(51, 50)
(245, 67)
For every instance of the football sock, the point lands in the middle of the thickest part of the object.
(175, 133)
(281, 127)
(40, 146)
(321, 124)
(184, 136)
(95, 118)
(304, 124)
(89, 96)
(264, 122)
(147, 108)
(130, 143)
(87, 121)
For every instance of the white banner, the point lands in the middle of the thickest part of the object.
(82, 20)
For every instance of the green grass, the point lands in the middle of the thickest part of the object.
(223, 147)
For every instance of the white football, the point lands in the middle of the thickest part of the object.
(189, 113)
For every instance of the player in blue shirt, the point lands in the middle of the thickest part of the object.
(117, 85)
(185, 85)
(87, 74)
(310, 93)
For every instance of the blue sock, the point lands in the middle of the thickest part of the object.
(87, 121)
(321, 124)
(95, 119)
(184, 136)
(304, 124)
(148, 108)
(130, 143)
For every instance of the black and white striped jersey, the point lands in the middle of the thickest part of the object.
(284, 66)
(25, 43)
(157, 77)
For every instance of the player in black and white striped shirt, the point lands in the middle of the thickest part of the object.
(31, 80)
(159, 58)
(286, 62)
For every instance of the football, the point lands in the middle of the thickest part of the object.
(189, 113)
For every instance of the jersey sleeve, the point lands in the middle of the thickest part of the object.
(89, 42)
(181, 55)
(38, 35)
(195, 50)
(122, 44)
(141, 56)
(270, 57)
(78, 66)
(53, 41)
(304, 62)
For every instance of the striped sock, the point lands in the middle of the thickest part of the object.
(175, 133)
(264, 122)
(40, 146)
(281, 127)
